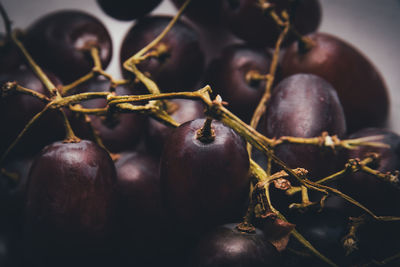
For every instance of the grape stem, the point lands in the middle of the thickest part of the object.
(39, 72)
(350, 240)
(260, 110)
(70, 136)
(258, 173)
(206, 134)
(355, 165)
(92, 130)
(217, 111)
(96, 70)
(10, 88)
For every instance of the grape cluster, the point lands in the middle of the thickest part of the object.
(265, 148)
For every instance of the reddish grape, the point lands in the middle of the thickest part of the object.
(181, 110)
(228, 246)
(60, 42)
(118, 131)
(305, 105)
(69, 206)
(359, 85)
(204, 182)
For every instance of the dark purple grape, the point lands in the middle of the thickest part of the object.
(181, 110)
(359, 85)
(118, 131)
(227, 246)
(70, 201)
(127, 9)
(17, 110)
(139, 209)
(229, 73)
(248, 21)
(324, 230)
(138, 189)
(60, 42)
(379, 196)
(379, 240)
(204, 183)
(305, 105)
(180, 67)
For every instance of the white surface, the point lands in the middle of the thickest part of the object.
(370, 25)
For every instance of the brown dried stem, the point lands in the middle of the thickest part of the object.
(39, 72)
(6, 20)
(260, 110)
(10, 88)
(260, 174)
(333, 142)
(96, 70)
(67, 88)
(130, 63)
(135, 59)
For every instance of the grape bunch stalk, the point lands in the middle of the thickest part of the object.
(266, 151)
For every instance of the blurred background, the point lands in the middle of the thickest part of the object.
(370, 25)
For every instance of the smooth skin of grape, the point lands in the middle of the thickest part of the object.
(181, 110)
(70, 200)
(119, 132)
(227, 246)
(305, 105)
(17, 110)
(379, 196)
(204, 184)
(61, 42)
(360, 87)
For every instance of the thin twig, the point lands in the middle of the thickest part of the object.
(261, 107)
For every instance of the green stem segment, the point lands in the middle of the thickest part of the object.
(70, 136)
(206, 134)
(39, 72)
